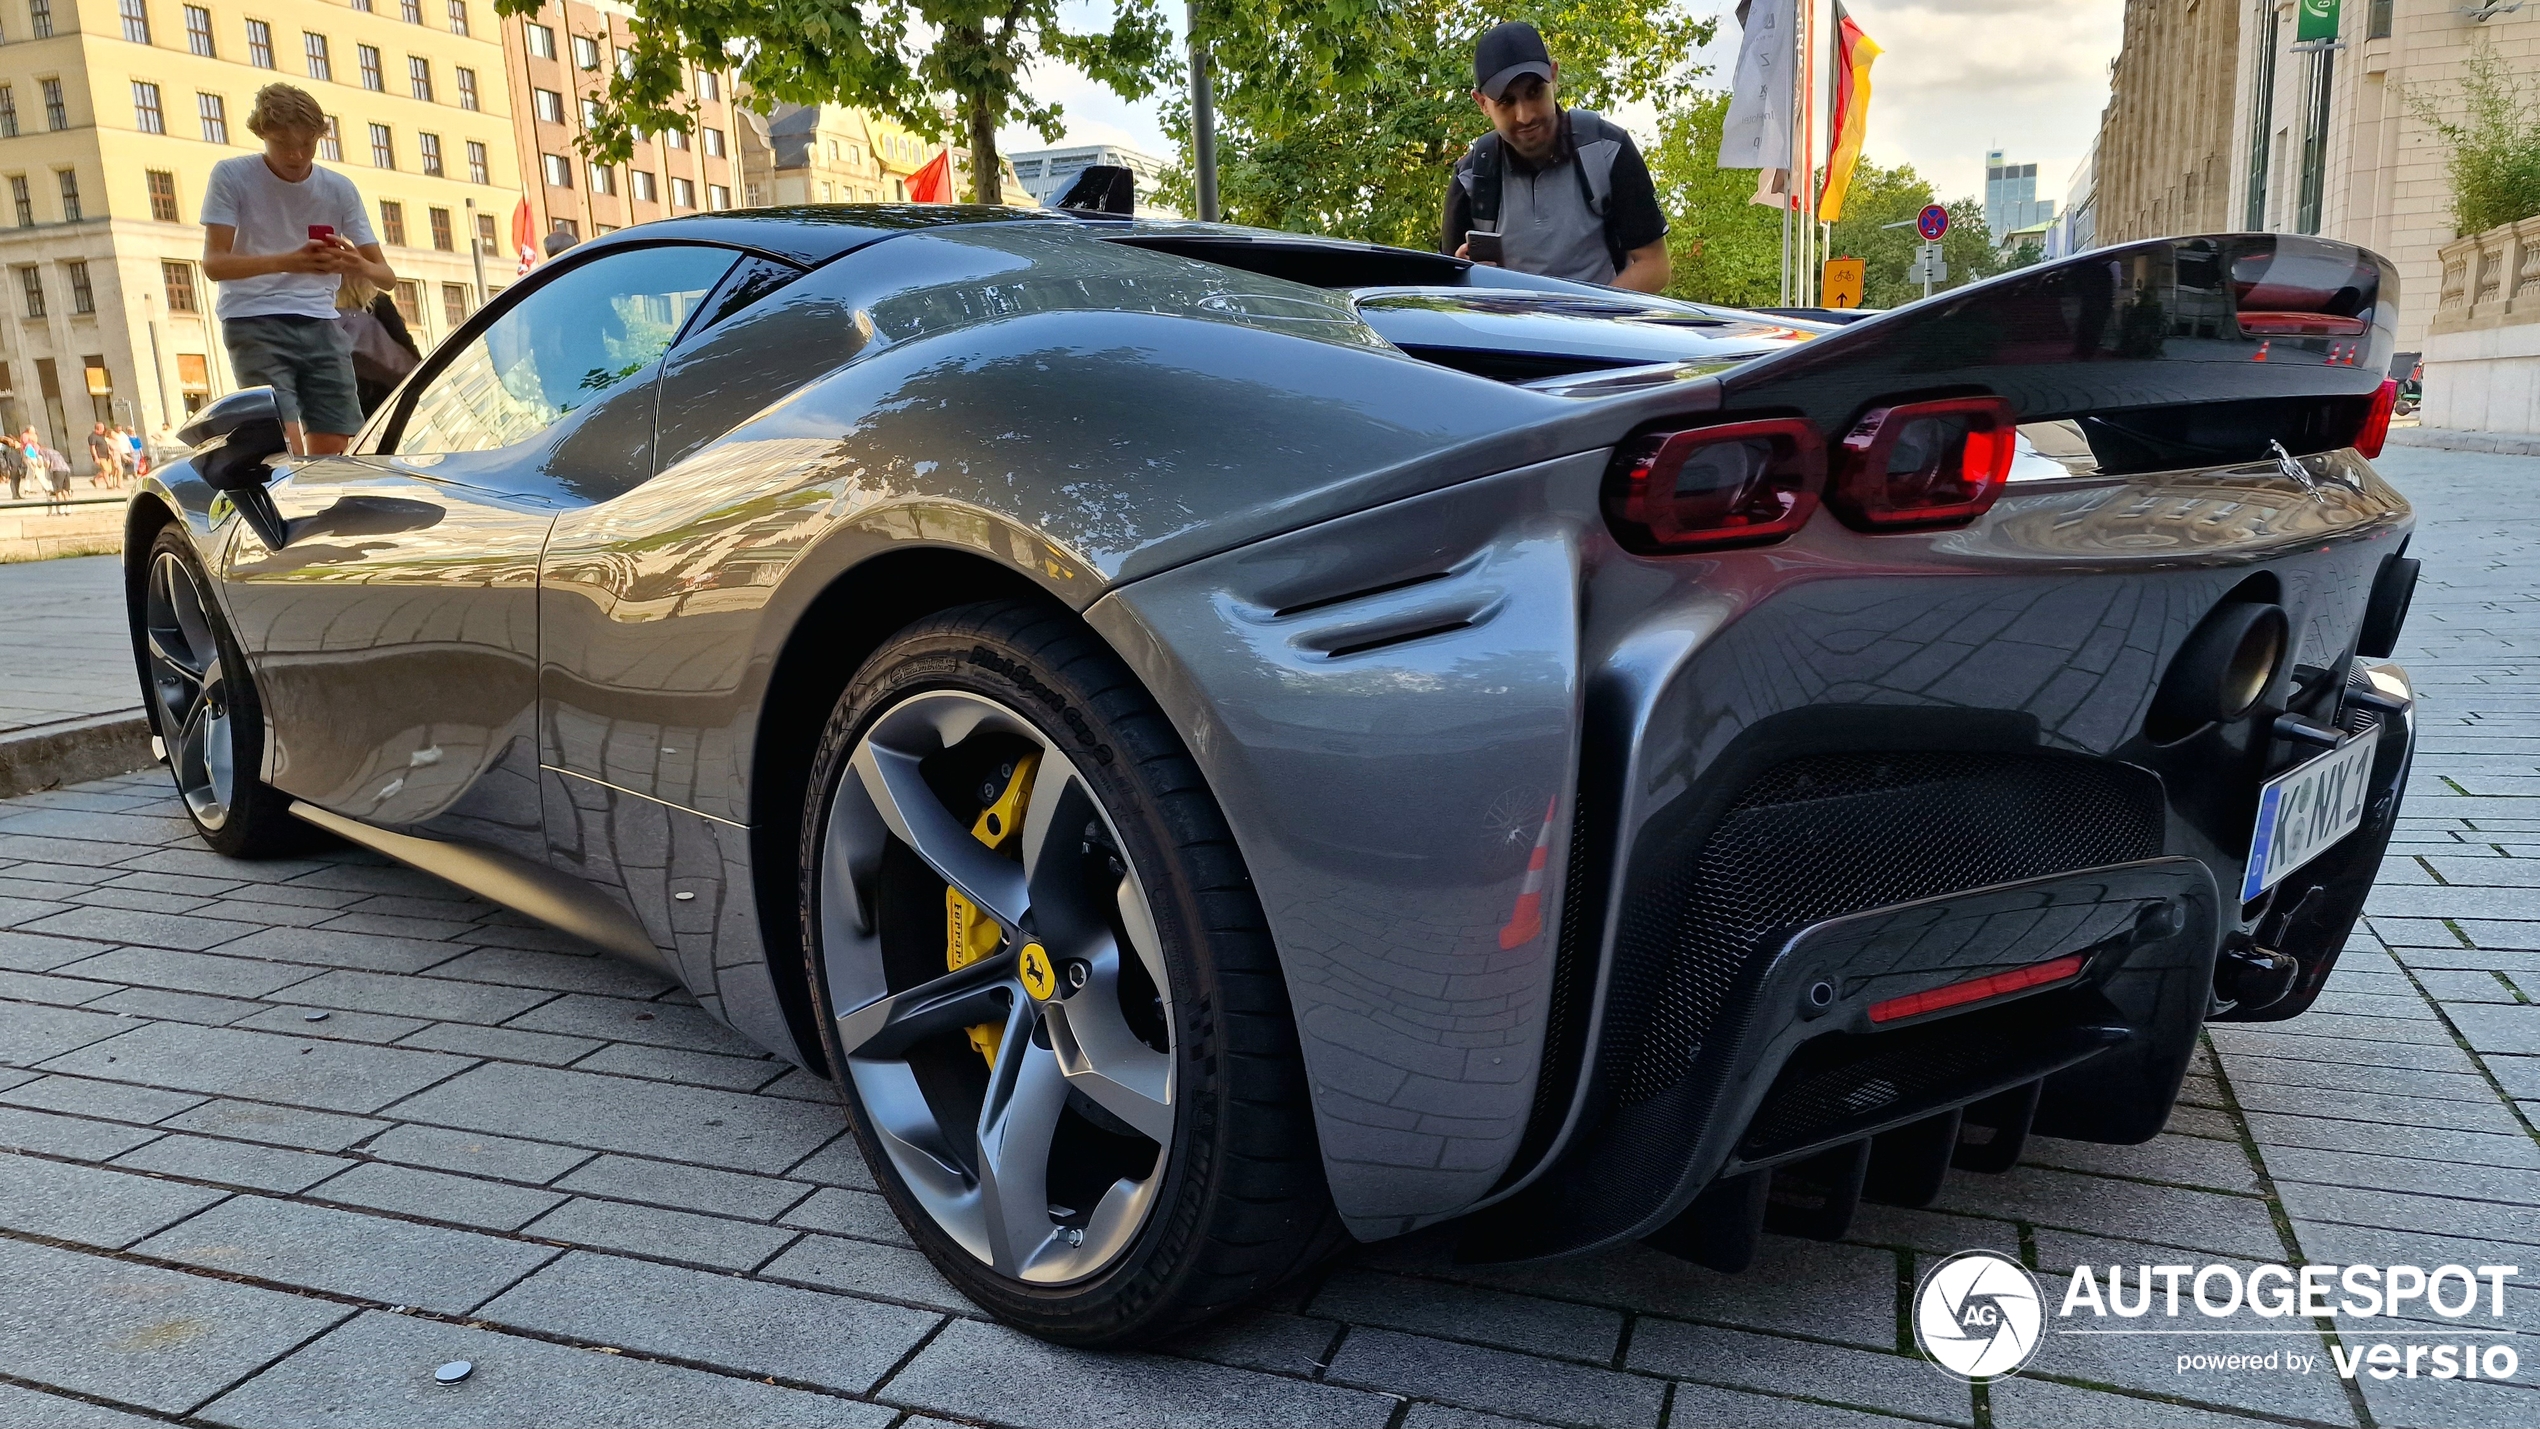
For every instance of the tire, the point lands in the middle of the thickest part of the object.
(202, 704)
(1177, 1106)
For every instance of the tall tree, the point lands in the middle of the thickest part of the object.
(900, 57)
(1721, 246)
(1346, 116)
(1882, 197)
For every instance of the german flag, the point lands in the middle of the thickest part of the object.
(1853, 53)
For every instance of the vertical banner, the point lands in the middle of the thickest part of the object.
(1756, 132)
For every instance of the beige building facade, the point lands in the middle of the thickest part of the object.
(112, 113)
(2163, 162)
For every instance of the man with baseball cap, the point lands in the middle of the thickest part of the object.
(1561, 192)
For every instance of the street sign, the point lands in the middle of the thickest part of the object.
(1843, 282)
(1928, 268)
(1932, 222)
(2315, 20)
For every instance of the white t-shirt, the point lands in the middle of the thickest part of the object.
(275, 217)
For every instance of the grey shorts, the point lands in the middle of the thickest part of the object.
(308, 362)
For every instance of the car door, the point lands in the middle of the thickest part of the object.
(394, 636)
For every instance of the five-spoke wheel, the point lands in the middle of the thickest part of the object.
(189, 690)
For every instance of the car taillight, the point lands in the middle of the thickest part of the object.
(1738, 484)
(1980, 989)
(1923, 464)
(2376, 428)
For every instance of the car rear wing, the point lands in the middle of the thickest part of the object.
(2169, 353)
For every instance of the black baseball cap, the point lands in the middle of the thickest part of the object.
(1506, 51)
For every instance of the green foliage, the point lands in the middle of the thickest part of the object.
(2495, 141)
(1721, 246)
(898, 57)
(1882, 196)
(1346, 116)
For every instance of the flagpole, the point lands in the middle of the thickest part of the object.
(1807, 68)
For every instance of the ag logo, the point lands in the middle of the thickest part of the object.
(1978, 1314)
(1039, 979)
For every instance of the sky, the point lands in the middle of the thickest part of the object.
(1958, 77)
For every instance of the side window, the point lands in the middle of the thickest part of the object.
(564, 346)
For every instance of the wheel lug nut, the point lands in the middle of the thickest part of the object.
(1073, 1235)
(1077, 974)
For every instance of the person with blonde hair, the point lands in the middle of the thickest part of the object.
(383, 350)
(280, 236)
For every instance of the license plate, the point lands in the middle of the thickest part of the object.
(2304, 810)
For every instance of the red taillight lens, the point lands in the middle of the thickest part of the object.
(2376, 428)
(1924, 463)
(1979, 989)
(1739, 484)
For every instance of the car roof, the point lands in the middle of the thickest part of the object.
(811, 234)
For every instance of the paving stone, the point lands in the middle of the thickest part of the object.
(2392, 1173)
(30, 1033)
(2484, 1114)
(373, 923)
(377, 1373)
(713, 1128)
(1447, 1416)
(2427, 1403)
(374, 878)
(2403, 1211)
(983, 1371)
(193, 1007)
(112, 1101)
(1260, 1339)
(2520, 1076)
(1933, 1231)
(2396, 1139)
(233, 1163)
(802, 1086)
(339, 1026)
(1739, 1360)
(348, 1253)
(159, 930)
(1711, 1407)
(505, 1043)
(695, 1188)
(172, 883)
(88, 1205)
(2490, 1029)
(2026, 1402)
(27, 952)
(840, 1163)
(58, 991)
(618, 1019)
(438, 1196)
(1492, 1317)
(2096, 1205)
(2352, 1245)
(30, 1409)
(2300, 1077)
(2181, 1160)
(2473, 985)
(744, 1326)
(334, 1076)
(77, 1138)
(136, 1333)
(454, 906)
(557, 972)
(143, 899)
(2273, 1040)
(671, 1235)
(497, 932)
(475, 1153)
(431, 999)
(276, 1125)
(348, 950)
(670, 1064)
(843, 1212)
(862, 1267)
(2150, 1364)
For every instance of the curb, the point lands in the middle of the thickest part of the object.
(48, 756)
(2497, 443)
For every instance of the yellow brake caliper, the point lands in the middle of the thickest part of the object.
(969, 934)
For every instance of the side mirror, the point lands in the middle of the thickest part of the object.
(232, 440)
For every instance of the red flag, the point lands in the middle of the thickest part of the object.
(524, 235)
(933, 184)
(1854, 51)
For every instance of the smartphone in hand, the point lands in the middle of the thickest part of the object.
(322, 232)
(1480, 246)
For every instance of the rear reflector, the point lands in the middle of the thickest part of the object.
(2301, 325)
(1959, 994)
(1924, 464)
(2376, 428)
(1739, 484)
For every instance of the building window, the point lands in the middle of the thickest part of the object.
(485, 235)
(559, 174)
(476, 173)
(24, 200)
(383, 154)
(586, 52)
(683, 194)
(548, 104)
(8, 111)
(70, 195)
(542, 41)
(419, 77)
(372, 77)
(331, 143)
(215, 116)
(392, 222)
(714, 143)
(410, 11)
(40, 14)
(56, 114)
(718, 196)
(320, 66)
(177, 279)
(136, 20)
(590, 114)
(603, 179)
(640, 184)
(429, 145)
(453, 304)
(467, 88)
(709, 87)
(442, 237)
(458, 17)
(2377, 26)
(162, 195)
(361, 5)
(678, 140)
(198, 31)
(83, 296)
(31, 283)
(260, 44)
(147, 116)
(410, 302)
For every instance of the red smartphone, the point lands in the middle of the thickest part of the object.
(322, 232)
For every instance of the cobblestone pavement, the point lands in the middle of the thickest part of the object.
(63, 654)
(492, 1145)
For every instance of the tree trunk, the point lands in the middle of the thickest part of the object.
(985, 170)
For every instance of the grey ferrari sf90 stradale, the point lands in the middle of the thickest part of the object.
(1221, 742)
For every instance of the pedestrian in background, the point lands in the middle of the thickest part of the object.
(26, 459)
(105, 455)
(136, 460)
(1559, 192)
(279, 236)
(383, 350)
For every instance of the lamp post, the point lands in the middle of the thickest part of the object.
(1203, 119)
